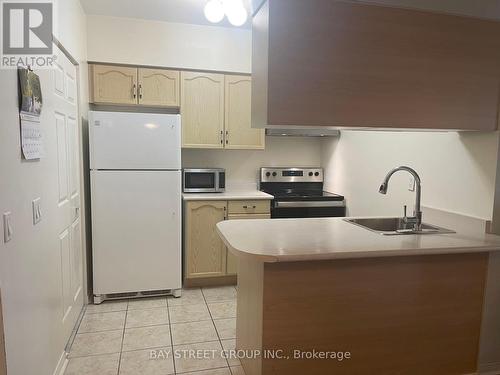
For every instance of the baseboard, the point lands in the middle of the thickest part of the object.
(489, 368)
(210, 281)
(3, 357)
(62, 364)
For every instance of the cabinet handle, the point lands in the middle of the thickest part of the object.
(140, 91)
(221, 137)
(249, 207)
(134, 91)
(227, 137)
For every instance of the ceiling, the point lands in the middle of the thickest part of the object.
(191, 11)
(179, 11)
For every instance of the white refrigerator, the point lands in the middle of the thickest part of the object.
(135, 175)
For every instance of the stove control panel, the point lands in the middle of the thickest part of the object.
(271, 174)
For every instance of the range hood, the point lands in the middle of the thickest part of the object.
(303, 132)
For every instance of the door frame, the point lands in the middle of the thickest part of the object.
(84, 177)
(3, 356)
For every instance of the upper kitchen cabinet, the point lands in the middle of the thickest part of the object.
(122, 85)
(349, 64)
(113, 84)
(238, 131)
(159, 87)
(202, 110)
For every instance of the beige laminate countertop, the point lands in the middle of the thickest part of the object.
(282, 240)
(228, 195)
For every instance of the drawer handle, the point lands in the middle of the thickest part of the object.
(249, 207)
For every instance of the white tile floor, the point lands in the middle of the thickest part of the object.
(117, 338)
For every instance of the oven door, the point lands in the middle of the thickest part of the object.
(200, 181)
(301, 209)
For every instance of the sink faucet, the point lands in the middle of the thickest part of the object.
(416, 220)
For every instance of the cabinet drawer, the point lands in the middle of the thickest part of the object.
(247, 207)
(248, 216)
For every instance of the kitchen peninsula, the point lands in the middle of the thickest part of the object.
(407, 304)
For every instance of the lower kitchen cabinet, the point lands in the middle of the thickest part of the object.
(206, 259)
(205, 253)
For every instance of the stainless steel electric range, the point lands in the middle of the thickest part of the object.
(298, 193)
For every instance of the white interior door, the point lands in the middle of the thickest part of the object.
(136, 230)
(70, 240)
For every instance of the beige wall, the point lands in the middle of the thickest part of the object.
(157, 43)
(457, 170)
(242, 167)
(31, 284)
(166, 44)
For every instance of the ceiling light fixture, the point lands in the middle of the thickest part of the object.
(234, 10)
(214, 11)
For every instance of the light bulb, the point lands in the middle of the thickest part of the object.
(214, 11)
(231, 5)
(236, 13)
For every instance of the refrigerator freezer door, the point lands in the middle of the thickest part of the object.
(120, 140)
(136, 230)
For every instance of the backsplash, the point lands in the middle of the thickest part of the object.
(242, 166)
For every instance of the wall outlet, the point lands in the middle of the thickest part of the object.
(37, 211)
(411, 184)
(7, 227)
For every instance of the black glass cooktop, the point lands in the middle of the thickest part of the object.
(299, 191)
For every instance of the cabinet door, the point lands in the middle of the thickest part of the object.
(202, 109)
(114, 84)
(239, 133)
(205, 251)
(159, 87)
(232, 260)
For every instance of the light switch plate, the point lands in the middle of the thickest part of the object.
(411, 184)
(7, 227)
(37, 211)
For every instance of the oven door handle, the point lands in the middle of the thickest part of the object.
(305, 204)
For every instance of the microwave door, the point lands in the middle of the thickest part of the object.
(199, 182)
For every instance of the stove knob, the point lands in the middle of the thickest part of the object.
(268, 174)
(310, 173)
(274, 174)
(316, 174)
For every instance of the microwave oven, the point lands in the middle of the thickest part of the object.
(205, 180)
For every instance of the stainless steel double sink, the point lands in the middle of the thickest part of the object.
(391, 226)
